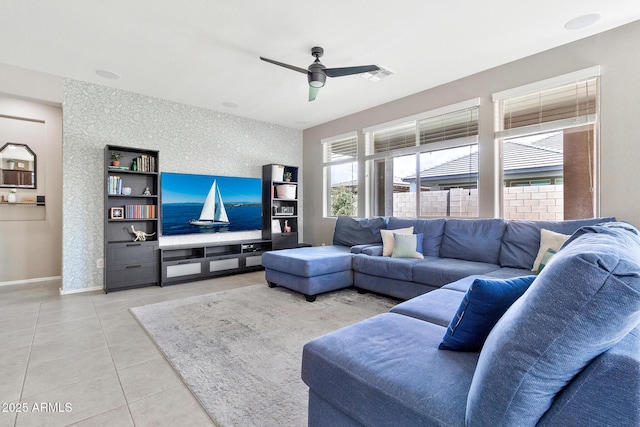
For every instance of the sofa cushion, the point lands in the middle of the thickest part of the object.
(483, 305)
(393, 223)
(433, 230)
(438, 272)
(548, 240)
(462, 285)
(435, 306)
(581, 304)
(406, 246)
(387, 371)
(507, 272)
(521, 240)
(393, 268)
(473, 239)
(357, 231)
(583, 403)
(400, 289)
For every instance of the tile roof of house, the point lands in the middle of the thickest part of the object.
(543, 154)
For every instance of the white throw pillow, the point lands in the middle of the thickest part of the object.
(388, 240)
(548, 240)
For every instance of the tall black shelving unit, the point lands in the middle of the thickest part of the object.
(129, 263)
(280, 205)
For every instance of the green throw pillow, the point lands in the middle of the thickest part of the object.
(545, 259)
(404, 246)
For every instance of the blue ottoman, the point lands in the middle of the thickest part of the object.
(310, 271)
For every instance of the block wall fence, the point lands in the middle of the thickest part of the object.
(543, 202)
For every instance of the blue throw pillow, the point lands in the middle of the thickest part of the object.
(419, 242)
(483, 305)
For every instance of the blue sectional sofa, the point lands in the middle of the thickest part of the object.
(565, 353)
(451, 249)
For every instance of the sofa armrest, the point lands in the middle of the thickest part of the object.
(374, 250)
(606, 392)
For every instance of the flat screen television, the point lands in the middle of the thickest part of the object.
(201, 204)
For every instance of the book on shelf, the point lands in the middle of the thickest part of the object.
(115, 185)
(144, 163)
(118, 168)
(140, 211)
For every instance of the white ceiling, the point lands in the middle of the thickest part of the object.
(205, 52)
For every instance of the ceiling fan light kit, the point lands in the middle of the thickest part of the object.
(317, 73)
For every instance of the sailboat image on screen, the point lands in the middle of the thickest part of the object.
(213, 212)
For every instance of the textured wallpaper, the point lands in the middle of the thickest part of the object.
(190, 140)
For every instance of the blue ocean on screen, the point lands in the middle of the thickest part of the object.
(184, 195)
(175, 219)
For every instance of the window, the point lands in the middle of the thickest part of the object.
(340, 166)
(548, 134)
(426, 165)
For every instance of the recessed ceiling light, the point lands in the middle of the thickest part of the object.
(582, 21)
(230, 104)
(108, 74)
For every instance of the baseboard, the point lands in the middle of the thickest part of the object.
(77, 291)
(36, 280)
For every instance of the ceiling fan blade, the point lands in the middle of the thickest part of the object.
(282, 64)
(313, 92)
(346, 71)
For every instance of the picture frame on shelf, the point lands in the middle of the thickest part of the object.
(284, 211)
(275, 226)
(116, 213)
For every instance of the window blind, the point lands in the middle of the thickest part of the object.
(394, 138)
(341, 149)
(454, 125)
(568, 105)
(441, 128)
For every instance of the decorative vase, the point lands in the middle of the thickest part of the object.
(287, 228)
(277, 171)
(13, 198)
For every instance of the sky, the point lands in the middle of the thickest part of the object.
(191, 188)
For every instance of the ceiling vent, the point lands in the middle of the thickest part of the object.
(378, 75)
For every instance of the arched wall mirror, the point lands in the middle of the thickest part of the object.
(18, 166)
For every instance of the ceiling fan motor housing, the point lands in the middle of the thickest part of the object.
(316, 74)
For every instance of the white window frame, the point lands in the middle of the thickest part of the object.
(326, 166)
(501, 134)
(417, 149)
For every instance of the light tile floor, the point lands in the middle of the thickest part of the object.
(83, 359)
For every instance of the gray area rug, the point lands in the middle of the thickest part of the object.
(240, 351)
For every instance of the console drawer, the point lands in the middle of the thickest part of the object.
(125, 276)
(131, 253)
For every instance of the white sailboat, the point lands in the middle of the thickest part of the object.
(213, 212)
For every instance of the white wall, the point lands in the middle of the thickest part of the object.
(617, 51)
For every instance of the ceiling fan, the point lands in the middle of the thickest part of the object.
(317, 73)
